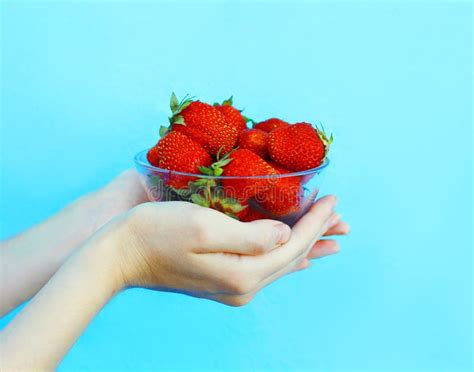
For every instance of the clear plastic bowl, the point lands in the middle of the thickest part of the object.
(283, 197)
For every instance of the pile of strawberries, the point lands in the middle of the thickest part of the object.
(214, 140)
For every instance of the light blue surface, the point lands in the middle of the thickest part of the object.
(85, 86)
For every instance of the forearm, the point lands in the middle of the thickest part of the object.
(48, 326)
(29, 260)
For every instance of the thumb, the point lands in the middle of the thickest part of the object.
(247, 238)
(273, 233)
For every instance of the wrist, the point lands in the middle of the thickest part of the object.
(102, 256)
(90, 211)
(131, 252)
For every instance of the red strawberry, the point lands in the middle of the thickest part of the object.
(284, 197)
(232, 115)
(279, 168)
(246, 163)
(254, 140)
(207, 194)
(271, 124)
(299, 146)
(177, 152)
(252, 215)
(204, 124)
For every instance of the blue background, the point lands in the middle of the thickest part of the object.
(86, 85)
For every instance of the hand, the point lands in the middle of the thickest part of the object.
(122, 194)
(177, 246)
(172, 246)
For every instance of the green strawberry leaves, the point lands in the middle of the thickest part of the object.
(211, 171)
(324, 138)
(229, 206)
(195, 187)
(226, 102)
(201, 183)
(216, 168)
(174, 103)
(178, 119)
(247, 119)
(177, 107)
(206, 193)
(200, 200)
(164, 131)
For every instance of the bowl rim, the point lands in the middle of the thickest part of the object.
(141, 160)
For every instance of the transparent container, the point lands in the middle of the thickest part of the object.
(284, 197)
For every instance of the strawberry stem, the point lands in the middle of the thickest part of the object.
(178, 106)
(324, 138)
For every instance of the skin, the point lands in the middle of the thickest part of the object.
(28, 261)
(102, 244)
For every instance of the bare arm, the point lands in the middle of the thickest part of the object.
(44, 331)
(29, 260)
(209, 256)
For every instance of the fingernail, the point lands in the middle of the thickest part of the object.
(284, 232)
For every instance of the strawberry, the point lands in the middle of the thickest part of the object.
(177, 152)
(299, 146)
(279, 169)
(231, 207)
(204, 124)
(246, 163)
(271, 124)
(231, 114)
(254, 140)
(284, 197)
(206, 193)
(252, 215)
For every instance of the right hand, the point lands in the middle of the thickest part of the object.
(182, 247)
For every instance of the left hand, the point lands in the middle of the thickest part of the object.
(122, 194)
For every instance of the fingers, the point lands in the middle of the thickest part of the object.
(340, 228)
(323, 248)
(225, 234)
(303, 236)
(320, 249)
(257, 262)
(244, 287)
(303, 265)
(308, 228)
(293, 256)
